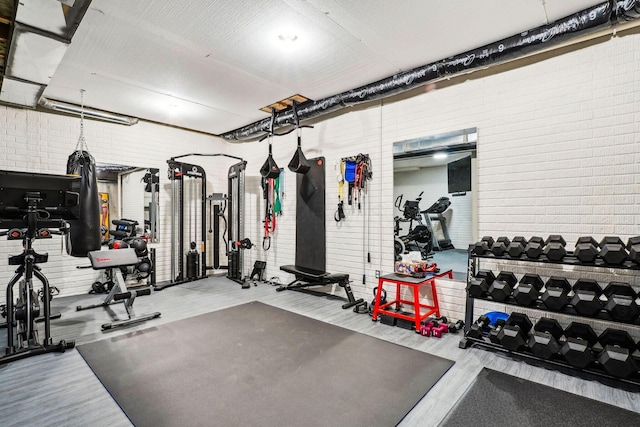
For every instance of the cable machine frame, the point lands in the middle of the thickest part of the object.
(177, 172)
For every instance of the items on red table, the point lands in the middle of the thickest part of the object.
(415, 268)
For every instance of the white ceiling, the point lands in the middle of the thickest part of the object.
(211, 65)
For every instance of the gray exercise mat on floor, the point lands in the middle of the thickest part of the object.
(497, 399)
(258, 365)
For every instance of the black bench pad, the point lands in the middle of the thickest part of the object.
(314, 275)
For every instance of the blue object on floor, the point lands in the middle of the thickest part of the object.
(494, 316)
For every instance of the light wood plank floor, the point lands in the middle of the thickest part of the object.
(61, 390)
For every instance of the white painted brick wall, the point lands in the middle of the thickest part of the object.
(41, 142)
(558, 152)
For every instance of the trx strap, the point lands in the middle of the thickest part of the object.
(362, 173)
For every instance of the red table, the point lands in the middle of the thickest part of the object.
(415, 284)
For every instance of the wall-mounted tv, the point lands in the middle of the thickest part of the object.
(459, 175)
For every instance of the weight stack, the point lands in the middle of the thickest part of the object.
(234, 266)
(192, 265)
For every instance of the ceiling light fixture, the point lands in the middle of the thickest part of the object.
(90, 113)
(440, 156)
(287, 37)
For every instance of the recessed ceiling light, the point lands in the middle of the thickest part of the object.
(440, 156)
(287, 37)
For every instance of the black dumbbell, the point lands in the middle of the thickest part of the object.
(479, 285)
(534, 247)
(578, 350)
(613, 251)
(483, 246)
(621, 301)
(455, 327)
(495, 330)
(528, 289)
(586, 297)
(500, 246)
(554, 248)
(556, 294)
(487, 275)
(502, 287)
(545, 341)
(477, 329)
(633, 246)
(516, 247)
(586, 250)
(619, 357)
(513, 335)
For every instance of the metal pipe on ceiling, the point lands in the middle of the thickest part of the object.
(88, 112)
(606, 15)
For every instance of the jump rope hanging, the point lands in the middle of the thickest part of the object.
(355, 171)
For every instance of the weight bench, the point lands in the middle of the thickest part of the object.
(306, 277)
(114, 259)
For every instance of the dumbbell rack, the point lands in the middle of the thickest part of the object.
(473, 261)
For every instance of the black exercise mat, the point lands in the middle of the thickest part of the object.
(497, 399)
(257, 365)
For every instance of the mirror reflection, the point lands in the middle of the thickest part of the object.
(129, 202)
(434, 200)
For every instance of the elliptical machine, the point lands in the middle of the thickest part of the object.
(418, 238)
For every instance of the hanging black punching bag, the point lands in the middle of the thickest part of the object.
(84, 235)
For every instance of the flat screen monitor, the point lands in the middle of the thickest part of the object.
(459, 175)
(58, 195)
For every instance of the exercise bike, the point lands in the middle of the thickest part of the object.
(418, 238)
(23, 308)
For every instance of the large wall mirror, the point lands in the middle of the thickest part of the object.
(435, 202)
(129, 201)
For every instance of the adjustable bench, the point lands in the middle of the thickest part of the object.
(114, 259)
(306, 277)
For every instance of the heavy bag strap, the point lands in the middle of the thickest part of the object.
(81, 156)
(81, 146)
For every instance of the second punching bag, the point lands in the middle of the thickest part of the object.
(85, 231)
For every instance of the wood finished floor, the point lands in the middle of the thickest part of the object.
(61, 390)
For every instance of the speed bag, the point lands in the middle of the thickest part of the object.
(84, 235)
